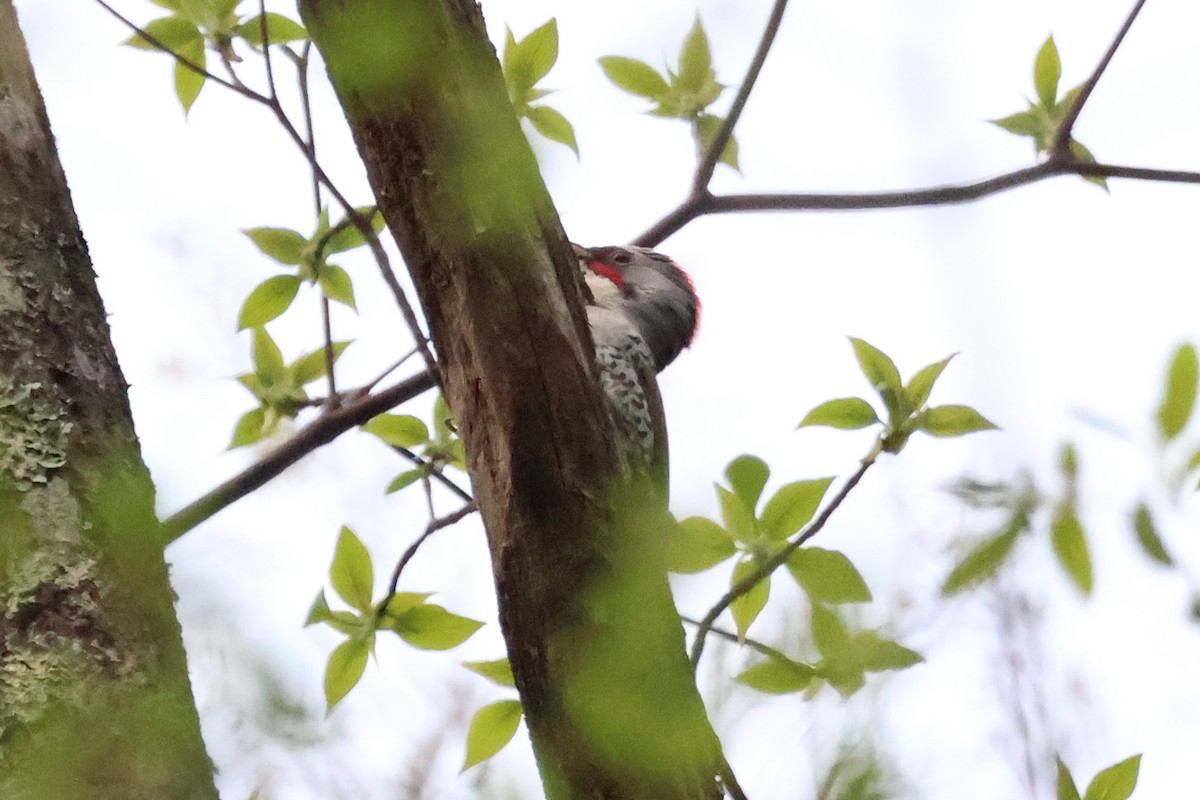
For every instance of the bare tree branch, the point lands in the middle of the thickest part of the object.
(323, 430)
(904, 198)
(433, 527)
(712, 157)
(1063, 137)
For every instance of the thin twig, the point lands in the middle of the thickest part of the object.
(321, 431)
(768, 566)
(1062, 137)
(712, 157)
(310, 140)
(730, 636)
(370, 386)
(904, 198)
(434, 473)
(433, 527)
(266, 45)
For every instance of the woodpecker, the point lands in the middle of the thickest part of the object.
(643, 311)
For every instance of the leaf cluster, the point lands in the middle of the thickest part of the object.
(683, 93)
(195, 25)
(424, 625)
(278, 386)
(525, 64)
(1042, 120)
(1020, 500)
(309, 256)
(845, 657)
(905, 404)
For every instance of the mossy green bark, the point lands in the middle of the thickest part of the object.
(94, 696)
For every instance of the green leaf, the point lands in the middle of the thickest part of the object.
(827, 576)
(1024, 123)
(1066, 784)
(695, 60)
(249, 428)
(1068, 462)
(319, 611)
(883, 375)
(635, 77)
(777, 676)
(553, 125)
(847, 413)
(696, 544)
(400, 602)
(171, 32)
(268, 361)
(347, 236)
(281, 244)
(398, 430)
(738, 518)
(492, 727)
(528, 61)
(351, 573)
(188, 82)
(790, 508)
(268, 300)
(536, 54)
(404, 479)
(223, 8)
(1115, 783)
(1084, 155)
(346, 666)
(828, 631)
(984, 560)
(498, 672)
(1047, 69)
(747, 607)
(1147, 536)
(280, 29)
(876, 654)
(1070, 546)
(944, 421)
(335, 283)
(748, 475)
(921, 384)
(1179, 395)
(707, 127)
(431, 627)
(311, 366)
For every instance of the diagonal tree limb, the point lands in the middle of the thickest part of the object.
(712, 156)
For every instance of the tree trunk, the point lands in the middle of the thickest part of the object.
(94, 694)
(594, 641)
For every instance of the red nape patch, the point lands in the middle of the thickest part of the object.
(608, 271)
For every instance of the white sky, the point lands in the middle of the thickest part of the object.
(1063, 301)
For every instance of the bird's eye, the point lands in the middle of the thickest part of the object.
(622, 257)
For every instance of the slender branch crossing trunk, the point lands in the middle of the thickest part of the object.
(593, 638)
(94, 695)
